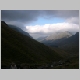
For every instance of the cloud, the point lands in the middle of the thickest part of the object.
(74, 20)
(35, 36)
(61, 13)
(39, 34)
(19, 15)
(27, 16)
(47, 29)
(18, 24)
(22, 18)
(59, 27)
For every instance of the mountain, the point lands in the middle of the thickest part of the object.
(67, 41)
(41, 38)
(19, 30)
(71, 44)
(59, 35)
(54, 37)
(19, 48)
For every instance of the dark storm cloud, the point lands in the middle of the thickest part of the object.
(19, 15)
(60, 13)
(68, 13)
(63, 13)
(32, 15)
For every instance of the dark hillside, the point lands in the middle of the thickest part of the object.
(19, 48)
(19, 30)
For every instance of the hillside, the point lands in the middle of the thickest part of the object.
(61, 52)
(19, 48)
(19, 30)
(67, 48)
(70, 44)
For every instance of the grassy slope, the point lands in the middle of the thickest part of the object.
(71, 45)
(61, 52)
(22, 49)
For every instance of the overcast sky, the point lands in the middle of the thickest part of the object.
(42, 22)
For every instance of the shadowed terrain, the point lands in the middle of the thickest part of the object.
(19, 48)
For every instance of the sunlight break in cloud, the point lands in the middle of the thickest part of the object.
(53, 28)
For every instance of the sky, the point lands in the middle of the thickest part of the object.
(40, 23)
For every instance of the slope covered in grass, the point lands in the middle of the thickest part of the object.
(19, 48)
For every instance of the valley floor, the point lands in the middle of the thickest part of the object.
(67, 64)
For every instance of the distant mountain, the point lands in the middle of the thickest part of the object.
(74, 39)
(68, 41)
(41, 38)
(19, 30)
(19, 48)
(59, 35)
(70, 44)
(55, 36)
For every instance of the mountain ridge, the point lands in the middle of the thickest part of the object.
(19, 48)
(55, 36)
(19, 30)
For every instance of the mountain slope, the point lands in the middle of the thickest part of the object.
(19, 30)
(41, 38)
(71, 44)
(55, 36)
(61, 52)
(16, 47)
(59, 35)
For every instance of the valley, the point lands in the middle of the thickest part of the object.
(57, 51)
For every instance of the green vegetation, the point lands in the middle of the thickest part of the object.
(19, 48)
